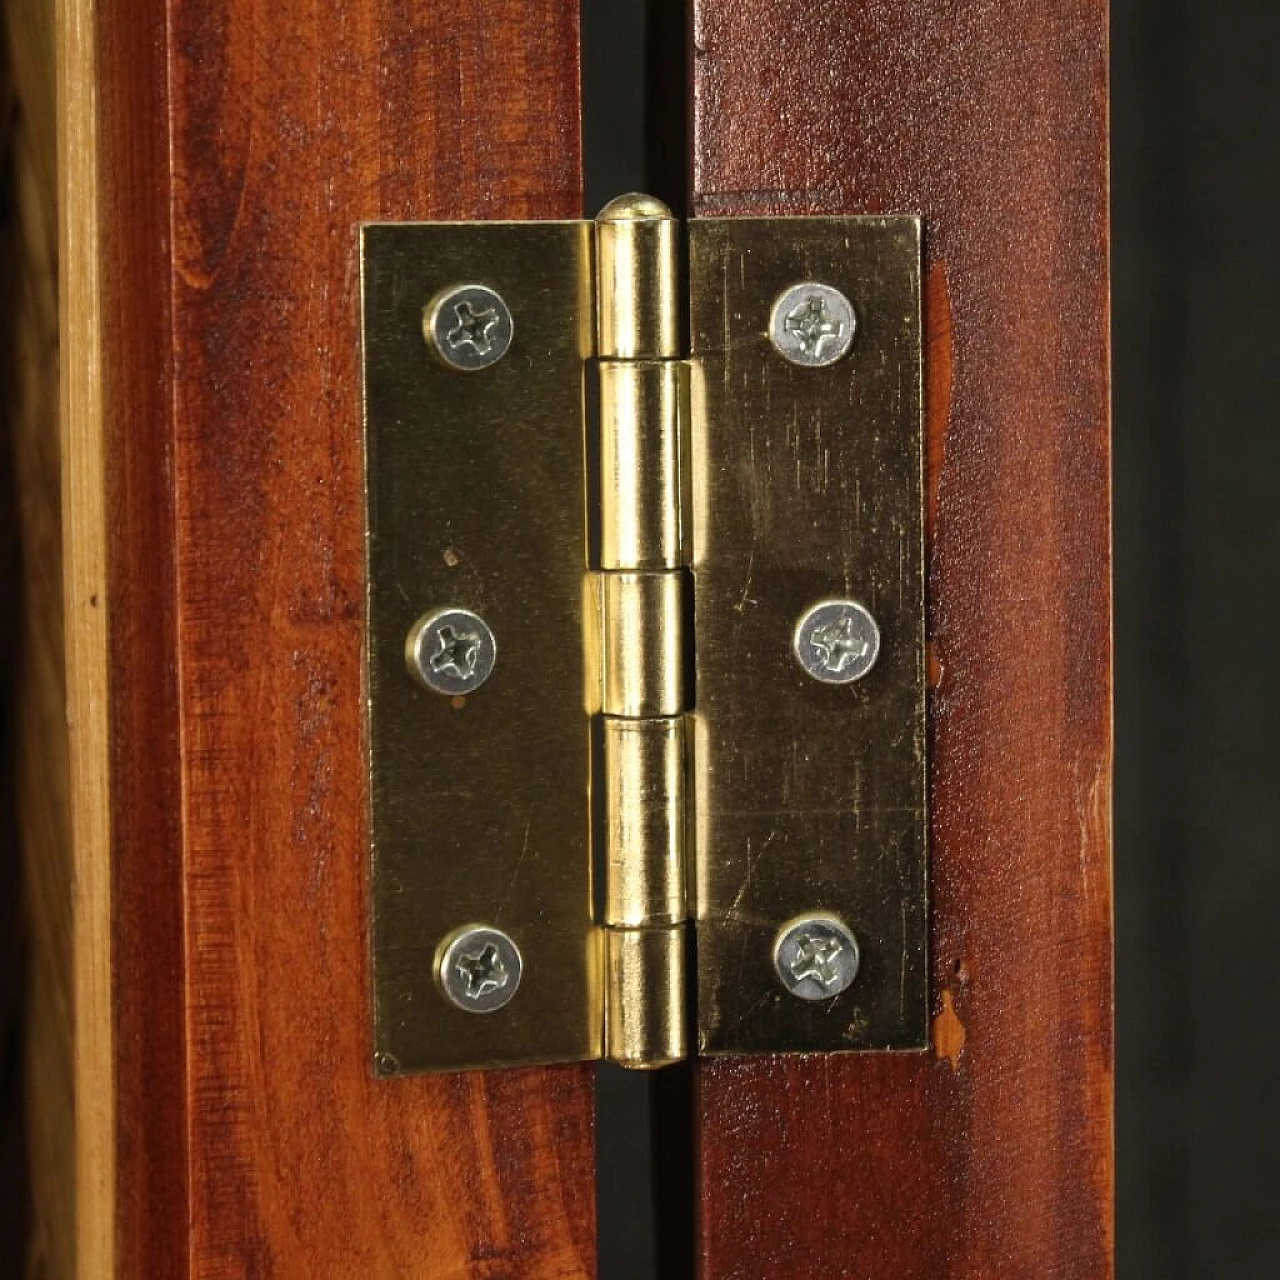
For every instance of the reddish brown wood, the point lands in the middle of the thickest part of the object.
(241, 144)
(991, 1156)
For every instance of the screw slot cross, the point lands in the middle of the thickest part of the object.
(482, 971)
(451, 651)
(457, 654)
(815, 958)
(837, 645)
(473, 328)
(812, 325)
(836, 641)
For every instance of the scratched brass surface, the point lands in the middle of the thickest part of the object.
(644, 823)
(476, 484)
(807, 484)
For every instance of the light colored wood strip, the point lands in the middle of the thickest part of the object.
(87, 607)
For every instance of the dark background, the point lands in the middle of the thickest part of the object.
(1195, 175)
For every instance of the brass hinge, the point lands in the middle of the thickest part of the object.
(645, 638)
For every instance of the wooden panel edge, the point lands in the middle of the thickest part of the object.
(86, 605)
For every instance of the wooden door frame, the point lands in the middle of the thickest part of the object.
(216, 161)
(991, 1155)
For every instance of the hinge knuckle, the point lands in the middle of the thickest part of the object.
(643, 416)
(637, 291)
(644, 781)
(643, 644)
(645, 1003)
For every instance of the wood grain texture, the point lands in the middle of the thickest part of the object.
(84, 532)
(41, 772)
(991, 1156)
(240, 145)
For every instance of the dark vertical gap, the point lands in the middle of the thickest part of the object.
(1228, 279)
(673, 1123)
(635, 91)
(614, 65)
(1152, 246)
(624, 1180)
(667, 153)
(613, 126)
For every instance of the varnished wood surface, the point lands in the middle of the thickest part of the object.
(990, 1156)
(239, 146)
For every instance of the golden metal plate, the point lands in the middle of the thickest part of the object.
(807, 485)
(476, 485)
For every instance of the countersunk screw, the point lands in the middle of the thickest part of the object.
(468, 326)
(812, 324)
(451, 651)
(479, 968)
(816, 957)
(837, 641)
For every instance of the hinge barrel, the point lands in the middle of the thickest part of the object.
(643, 644)
(644, 396)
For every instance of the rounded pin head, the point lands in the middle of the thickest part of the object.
(634, 207)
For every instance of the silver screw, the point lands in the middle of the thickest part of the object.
(479, 968)
(837, 641)
(816, 957)
(468, 326)
(812, 324)
(451, 651)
